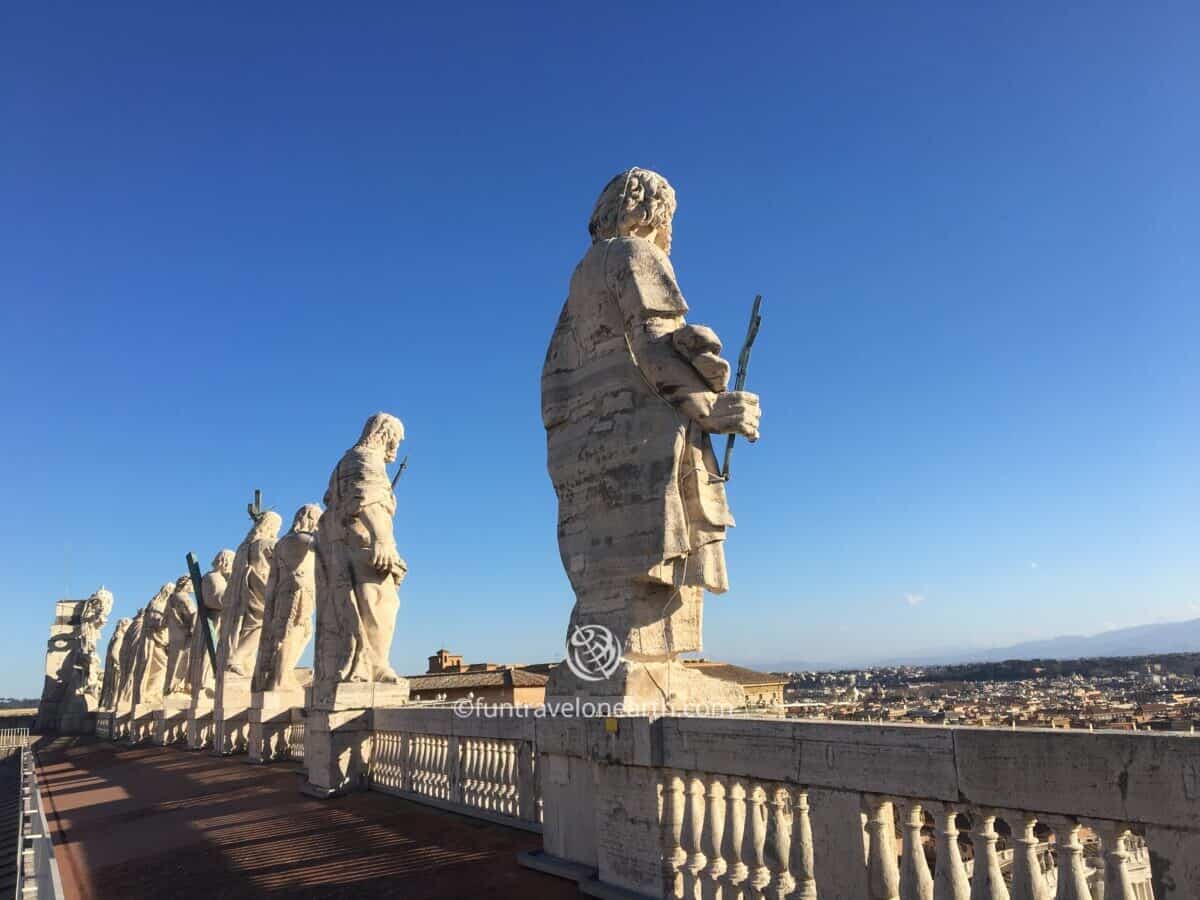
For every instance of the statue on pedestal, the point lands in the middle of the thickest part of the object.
(151, 673)
(181, 620)
(291, 600)
(85, 677)
(112, 664)
(209, 601)
(359, 570)
(242, 605)
(131, 649)
(630, 395)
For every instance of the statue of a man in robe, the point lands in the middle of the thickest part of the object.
(131, 649)
(242, 605)
(630, 395)
(209, 600)
(112, 664)
(181, 621)
(151, 671)
(359, 570)
(84, 678)
(291, 601)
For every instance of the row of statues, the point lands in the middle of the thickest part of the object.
(340, 565)
(631, 394)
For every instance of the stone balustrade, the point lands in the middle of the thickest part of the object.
(748, 808)
(481, 767)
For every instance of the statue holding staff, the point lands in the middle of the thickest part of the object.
(630, 396)
(291, 600)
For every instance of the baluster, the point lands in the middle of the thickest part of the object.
(426, 753)
(469, 771)
(950, 878)
(510, 778)
(695, 834)
(381, 769)
(803, 874)
(406, 762)
(489, 774)
(760, 875)
(736, 870)
(986, 882)
(1118, 884)
(526, 782)
(883, 878)
(1028, 882)
(1072, 873)
(670, 818)
(439, 766)
(714, 836)
(779, 847)
(454, 769)
(498, 776)
(443, 760)
(916, 882)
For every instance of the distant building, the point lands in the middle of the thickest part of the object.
(762, 688)
(450, 679)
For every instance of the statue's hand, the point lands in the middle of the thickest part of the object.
(734, 412)
(384, 557)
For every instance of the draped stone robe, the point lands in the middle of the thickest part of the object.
(639, 491)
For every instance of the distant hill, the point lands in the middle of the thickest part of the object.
(1167, 637)
(1139, 640)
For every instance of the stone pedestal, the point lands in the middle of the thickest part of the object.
(271, 716)
(105, 724)
(646, 688)
(170, 722)
(231, 716)
(338, 735)
(199, 727)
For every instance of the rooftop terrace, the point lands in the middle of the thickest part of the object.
(159, 822)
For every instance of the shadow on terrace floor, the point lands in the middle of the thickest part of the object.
(161, 822)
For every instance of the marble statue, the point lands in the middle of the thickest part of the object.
(359, 569)
(209, 600)
(87, 678)
(112, 664)
(151, 672)
(131, 649)
(72, 685)
(290, 603)
(242, 604)
(181, 620)
(630, 395)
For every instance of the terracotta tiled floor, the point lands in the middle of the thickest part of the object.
(166, 823)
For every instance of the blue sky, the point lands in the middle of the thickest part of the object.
(229, 233)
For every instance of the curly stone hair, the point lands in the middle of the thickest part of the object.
(637, 197)
(379, 428)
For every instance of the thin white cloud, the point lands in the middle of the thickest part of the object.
(914, 599)
(1033, 565)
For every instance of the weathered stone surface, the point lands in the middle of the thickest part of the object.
(630, 395)
(112, 664)
(290, 604)
(180, 623)
(150, 672)
(1134, 778)
(72, 686)
(245, 598)
(271, 716)
(210, 598)
(358, 570)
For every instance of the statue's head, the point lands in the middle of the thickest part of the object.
(637, 202)
(165, 591)
(306, 518)
(183, 584)
(223, 562)
(267, 526)
(101, 602)
(137, 616)
(122, 626)
(383, 431)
